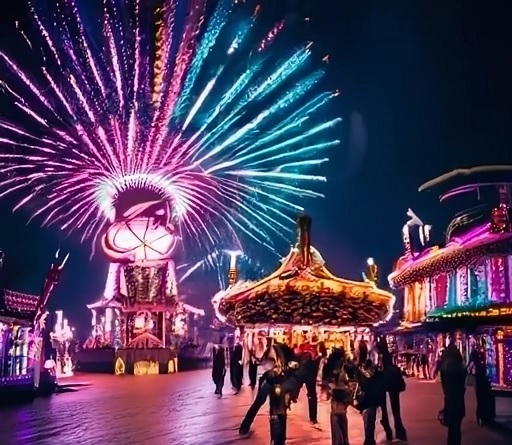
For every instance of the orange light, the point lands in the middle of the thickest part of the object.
(501, 365)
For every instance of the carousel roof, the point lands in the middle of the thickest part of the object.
(302, 291)
(460, 251)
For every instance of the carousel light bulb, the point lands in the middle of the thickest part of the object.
(370, 261)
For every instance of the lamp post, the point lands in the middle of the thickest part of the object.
(233, 271)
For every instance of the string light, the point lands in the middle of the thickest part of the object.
(500, 222)
(507, 364)
(445, 263)
(501, 311)
(501, 359)
(19, 302)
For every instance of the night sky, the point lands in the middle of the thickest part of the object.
(425, 89)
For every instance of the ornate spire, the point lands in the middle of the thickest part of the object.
(304, 238)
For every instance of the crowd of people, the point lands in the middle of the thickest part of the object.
(348, 381)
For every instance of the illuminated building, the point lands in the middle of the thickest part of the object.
(16, 337)
(139, 318)
(465, 286)
(135, 316)
(302, 303)
(22, 332)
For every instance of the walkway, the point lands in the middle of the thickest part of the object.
(181, 409)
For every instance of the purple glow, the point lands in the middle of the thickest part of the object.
(476, 237)
(496, 279)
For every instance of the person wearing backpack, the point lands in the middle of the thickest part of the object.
(395, 384)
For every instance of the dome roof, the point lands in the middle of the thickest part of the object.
(302, 291)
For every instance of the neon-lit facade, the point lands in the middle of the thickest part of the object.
(466, 285)
(17, 342)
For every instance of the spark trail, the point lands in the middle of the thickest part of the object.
(210, 114)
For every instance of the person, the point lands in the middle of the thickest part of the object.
(236, 369)
(340, 395)
(277, 386)
(253, 370)
(485, 403)
(290, 381)
(424, 360)
(310, 362)
(394, 385)
(453, 381)
(279, 403)
(219, 369)
(371, 396)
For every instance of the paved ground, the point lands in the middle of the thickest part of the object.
(181, 409)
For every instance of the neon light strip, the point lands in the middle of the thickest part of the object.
(501, 364)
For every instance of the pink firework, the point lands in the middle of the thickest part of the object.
(164, 104)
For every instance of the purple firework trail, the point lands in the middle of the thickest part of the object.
(202, 112)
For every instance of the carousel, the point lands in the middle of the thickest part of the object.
(302, 304)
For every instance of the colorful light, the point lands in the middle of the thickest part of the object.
(446, 261)
(227, 131)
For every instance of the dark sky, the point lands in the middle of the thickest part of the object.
(425, 89)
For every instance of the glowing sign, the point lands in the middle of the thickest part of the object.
(502, 311)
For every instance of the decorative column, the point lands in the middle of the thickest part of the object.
(233, 271)
(462, 286)
(496, 279)
(509, 279)
(452, 290)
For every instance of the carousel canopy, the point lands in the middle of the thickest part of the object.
(302, 291)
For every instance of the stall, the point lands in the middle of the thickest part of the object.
(464, 288)
(23, 366)
(303, 303)
(16, 340)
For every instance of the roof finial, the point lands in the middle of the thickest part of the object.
(304, 238)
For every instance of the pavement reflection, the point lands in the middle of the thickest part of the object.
(181, 409)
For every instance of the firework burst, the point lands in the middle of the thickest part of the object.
(204, 113)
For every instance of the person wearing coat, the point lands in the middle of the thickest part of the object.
(219, 369)
(453, 380)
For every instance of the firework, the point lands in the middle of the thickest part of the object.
(202, 113)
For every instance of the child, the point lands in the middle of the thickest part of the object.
(341, 397)
(219, 369)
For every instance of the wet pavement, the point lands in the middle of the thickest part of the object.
(181, 409)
